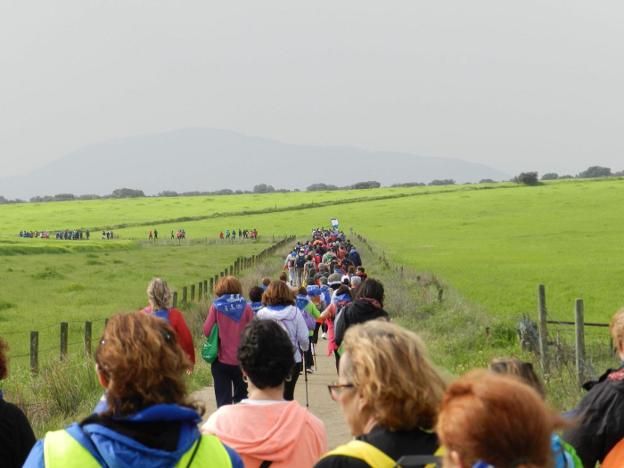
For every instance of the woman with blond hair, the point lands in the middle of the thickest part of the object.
(492, 420)
(231, 313)
(148, 420)
(389, 394)
(600, 413)
(159, 298)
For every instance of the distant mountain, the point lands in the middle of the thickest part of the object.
(207, 160)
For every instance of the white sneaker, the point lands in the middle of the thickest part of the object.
(324, 336)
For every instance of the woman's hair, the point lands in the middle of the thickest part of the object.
(158, 293)
(266, 353)
(302, 290)
(142, 362)
(228, 285)
(278, 293)
(282, 277)
(372, 289)
(343, 289)
(389, 369)
(520, 369)
(4, 361)
(266, 281)
(255, 294)
(616, 327)
(496, 419)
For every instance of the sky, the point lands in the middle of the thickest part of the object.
(522, 85)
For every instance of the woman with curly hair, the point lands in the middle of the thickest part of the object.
(147, 420)
(389, 394)
(16, 435)
(265, 427)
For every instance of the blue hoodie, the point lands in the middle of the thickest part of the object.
(115, 450)
(231, 305)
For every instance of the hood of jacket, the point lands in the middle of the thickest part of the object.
(261, 431)
(117, 449)
(231, 305)
(280, 312)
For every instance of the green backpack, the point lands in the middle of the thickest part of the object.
(210, 349)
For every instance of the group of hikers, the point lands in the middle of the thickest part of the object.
(399, 408)
(67, 234)
(242, 234)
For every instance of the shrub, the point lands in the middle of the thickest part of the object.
(550, 176)
(595, 171)
(442, 182)
(526, 178)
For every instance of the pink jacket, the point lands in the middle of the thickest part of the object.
(282, 432)
(229, 333)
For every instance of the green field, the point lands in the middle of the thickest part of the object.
(494, 246)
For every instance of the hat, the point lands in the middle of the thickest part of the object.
(313, 291)
(334, 278)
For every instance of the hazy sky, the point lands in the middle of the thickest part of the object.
(516, 85)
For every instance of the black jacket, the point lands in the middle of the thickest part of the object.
(16, 435)
(394, 444)
(600, 418)
(359, 311)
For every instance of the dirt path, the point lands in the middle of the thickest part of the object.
(321, 404)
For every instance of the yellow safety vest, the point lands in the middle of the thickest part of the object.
(369, 454)
(61, 450)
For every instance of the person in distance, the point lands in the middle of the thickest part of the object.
(389, 394)
(266, 428)
(489, 420)
(148, 420)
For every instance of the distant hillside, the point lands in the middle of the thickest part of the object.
(208, 160)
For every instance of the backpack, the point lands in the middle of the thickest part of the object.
(301, 260)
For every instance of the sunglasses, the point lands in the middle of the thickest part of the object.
(336, 389)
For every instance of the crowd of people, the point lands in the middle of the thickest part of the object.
(242, 234)
(67, 234)
(399, 408)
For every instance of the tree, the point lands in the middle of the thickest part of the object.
(127, 193)
(442, 182)
(263, 188)
(550, 176)
(487, 181)
(168, 193)
(595, 171)
(3, 200)
(366, 185)
(64, 196)
(320, 187)
(527, 178)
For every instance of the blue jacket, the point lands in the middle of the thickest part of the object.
(116, 450)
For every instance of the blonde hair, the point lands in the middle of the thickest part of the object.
(616, 327)
(158, 293)
(497, 419)
(389, 368)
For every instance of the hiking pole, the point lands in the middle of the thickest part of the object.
(305, 378)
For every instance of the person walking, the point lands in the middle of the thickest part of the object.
(280, 307)
(147, 420)
(265, 428)
(231, 313)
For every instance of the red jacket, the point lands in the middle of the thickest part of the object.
(177, 322)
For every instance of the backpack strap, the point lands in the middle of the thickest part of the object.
(364, 451)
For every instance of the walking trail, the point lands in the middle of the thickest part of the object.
(321, 405)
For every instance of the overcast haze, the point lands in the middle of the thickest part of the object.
(522, 86)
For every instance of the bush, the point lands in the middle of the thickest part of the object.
(526, 178)
(263, 188)
(442, 182)
(595, 171)
(550, 176)
(487, 181)
(320, 187)
(366, 185)
(127, 193)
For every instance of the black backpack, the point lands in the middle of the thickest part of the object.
(301, 260)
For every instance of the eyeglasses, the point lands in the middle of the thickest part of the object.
(336, 389)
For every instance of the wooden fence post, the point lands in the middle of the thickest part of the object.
(64, 335)
(200, 290)
(231, 270)
(192, 292)
(205, 289)
(579, 321)
(34, 352)
(88, 329)
(543, 332)
(175, 299)
(184, 295)
(212, 284)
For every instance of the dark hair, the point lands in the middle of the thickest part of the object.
(266, 354)
(282, 277)
(372, 289)
(266, 281)
(302, 290)
(255, 294)
(520, 369)
(343, 289)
